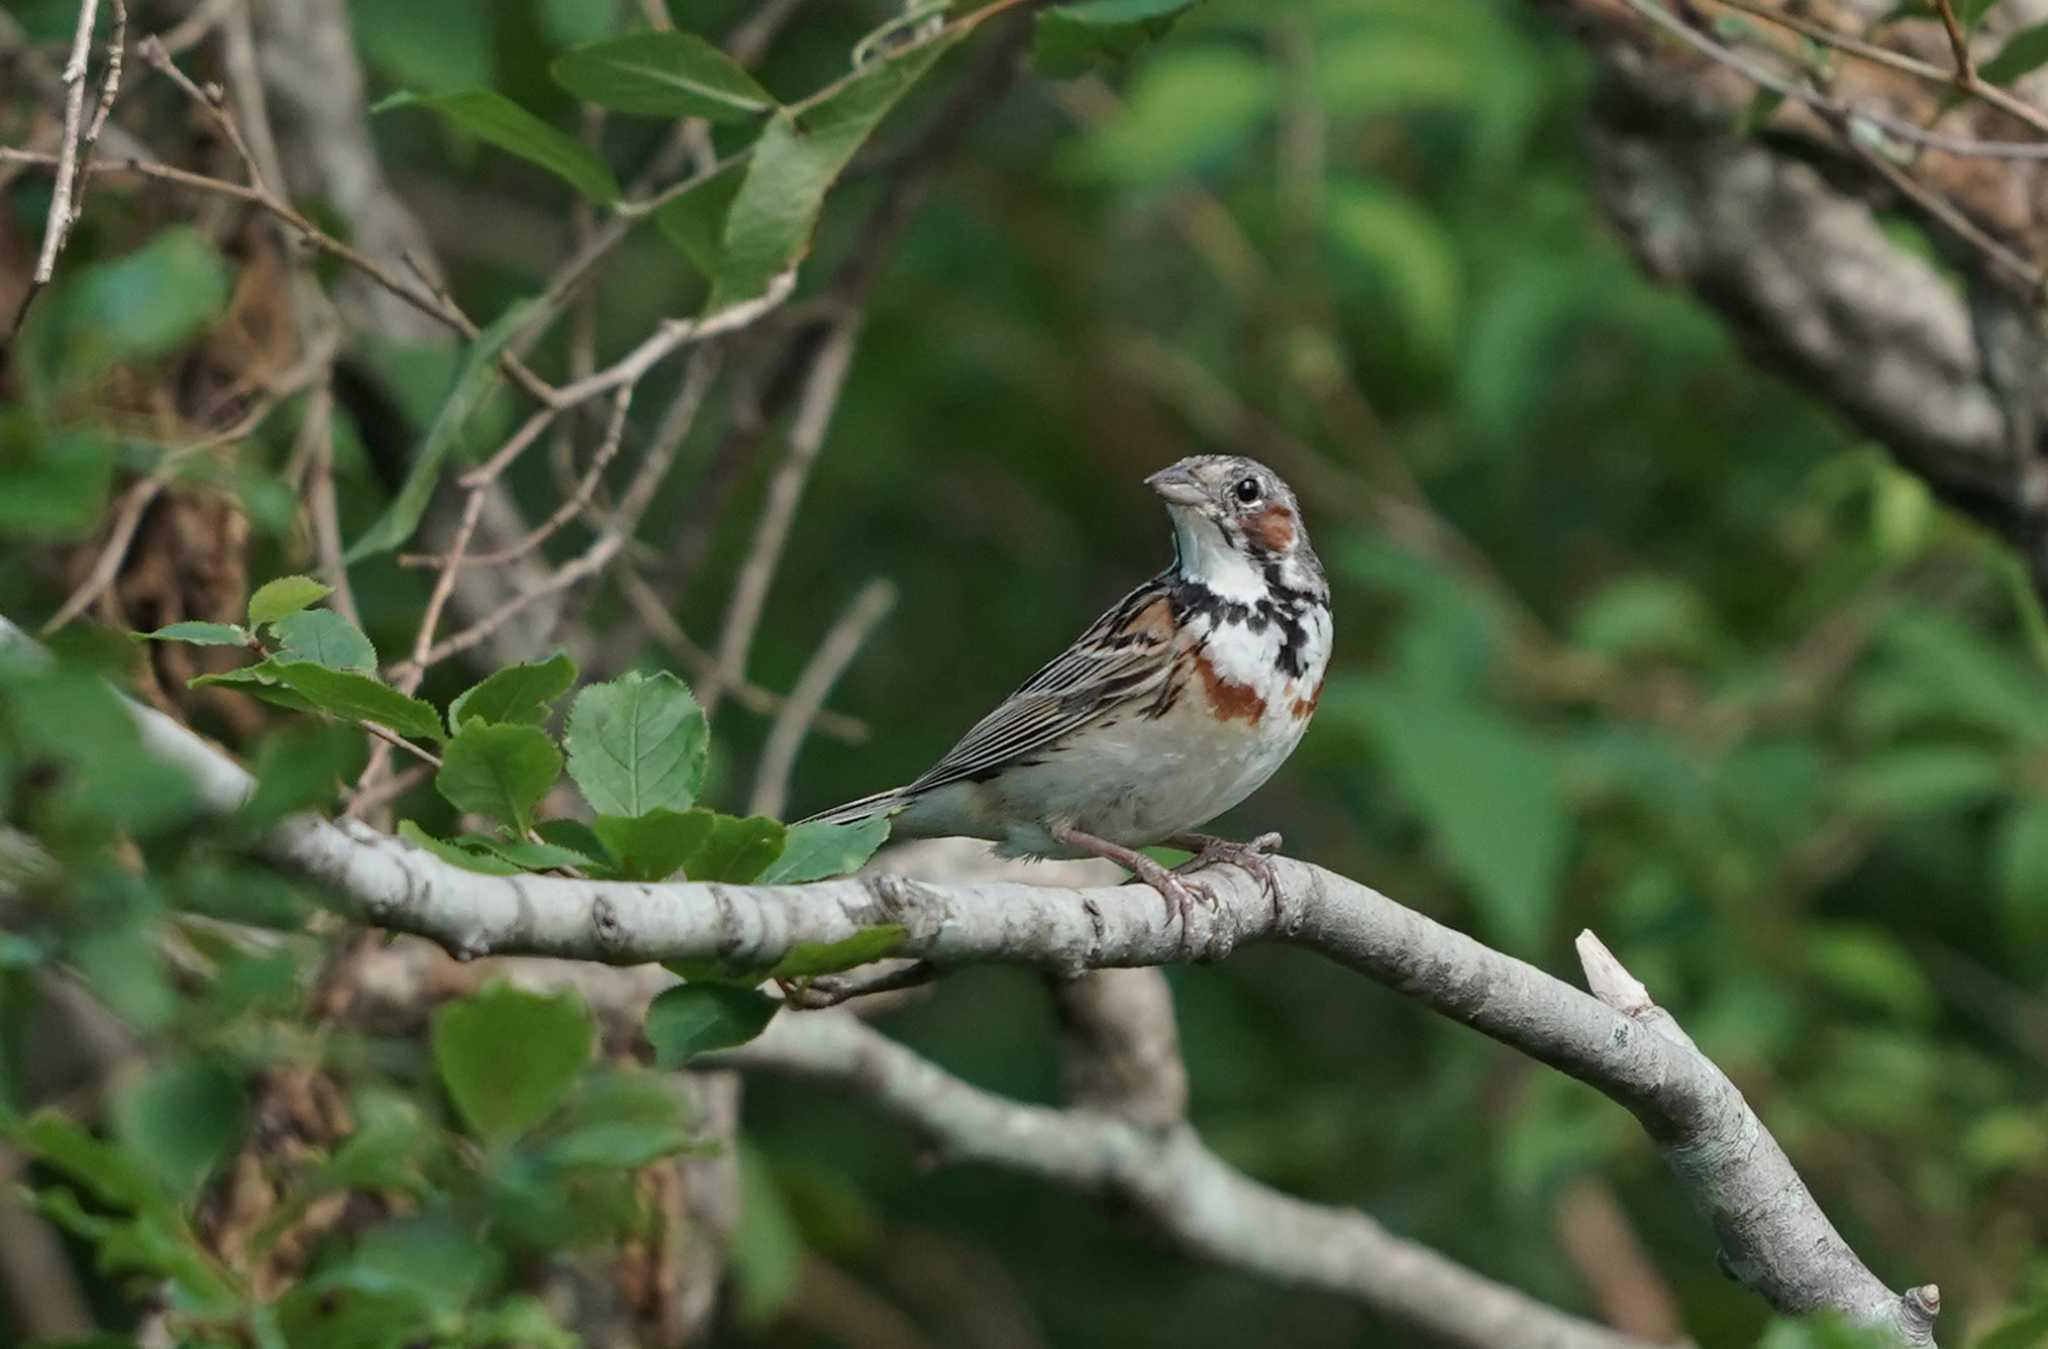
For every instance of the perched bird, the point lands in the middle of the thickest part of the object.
(1172, 708)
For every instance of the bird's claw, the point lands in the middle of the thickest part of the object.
(1249, 857)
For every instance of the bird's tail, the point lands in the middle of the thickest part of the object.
(866, 808)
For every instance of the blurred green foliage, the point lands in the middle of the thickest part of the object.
(1633, 636)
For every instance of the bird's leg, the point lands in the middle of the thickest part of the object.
(1249, 857)
(1179, 893)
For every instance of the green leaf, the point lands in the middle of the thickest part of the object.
(654, 846)
(796, 161)
(57, 478)
(695, 1019)
(499, 771)
(298, 767)
(2023, 53)
(1187, 107)
(530, 856)
(258, 681)
(806, 959)
(1867, 965)
(199, 634)
(146, 304)
(637, 744)
(662, 74)
(357, 697)
(1405, 252)
(114, 1175)
(515, 694)
(324, 637)
(457, 854)
(1923, 779)
(573, 835)
(1071, 38)
(1487, 789)
(182, 1119)
(817, 850)
(490, 116)
(695, 221)
(285, 595)
(736, 850)
(508, 1057)
(478, 375)
(2021, 859)
(2027, 1330)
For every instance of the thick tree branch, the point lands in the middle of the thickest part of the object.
(1773, 1234)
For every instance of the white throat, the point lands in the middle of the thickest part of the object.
(1206, 556)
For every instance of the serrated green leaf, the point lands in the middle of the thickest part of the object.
(817, 850)
(285, 595)
(621, 1145)
(499, 771)
(698, 1018)
(637, 744)
(490, 116)
(199, 634)
(736, 850)
(509, 1057)
(530, 856)
(573, 835)
(469, 859)
(325, 638)
(667, 73)
(357, 697)
(515, 694)
(796, 161)
(695, 221)
(806, 959)
(478, 376)
(654, 846)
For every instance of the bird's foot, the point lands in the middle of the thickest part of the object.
(1249, 857)
(1180, 893)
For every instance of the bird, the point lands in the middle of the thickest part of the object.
(1171, 708)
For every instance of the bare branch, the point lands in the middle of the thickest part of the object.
(807, 696)
(72, 153)
(1174, 1180)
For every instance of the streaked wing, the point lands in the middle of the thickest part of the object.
(1125, 656)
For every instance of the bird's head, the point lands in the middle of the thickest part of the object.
(1237, 527)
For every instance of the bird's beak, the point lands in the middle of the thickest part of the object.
(1178, 485)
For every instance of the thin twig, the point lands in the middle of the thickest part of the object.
(1821, 103)
(317, 433)
(572, 506)
(128, 513)
(1850, 45)
(397, 741)
(57, 226)
(408, 677)
(822, 386)
(369, 797)
(212, 101)
(662, 626)
(807, 696)
(661, 451)
(1958, 44)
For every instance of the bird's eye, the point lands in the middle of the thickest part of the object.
(1247, 490)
